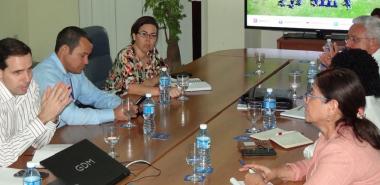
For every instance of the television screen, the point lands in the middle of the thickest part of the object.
(306, 15)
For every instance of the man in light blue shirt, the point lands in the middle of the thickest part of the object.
(66, 65)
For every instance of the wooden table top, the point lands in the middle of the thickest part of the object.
(225, 71)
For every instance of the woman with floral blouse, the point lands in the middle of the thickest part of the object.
(137, 67)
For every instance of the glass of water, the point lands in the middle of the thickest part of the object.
(255, 114)
(128, 111)
(192, 159)
(259, 58)
(111, 137)
(183, 84)
(294, 83)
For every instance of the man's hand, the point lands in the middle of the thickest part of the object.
(54, 101)
(326, 57)
(174, 92)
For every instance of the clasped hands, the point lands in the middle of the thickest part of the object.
(261, 176)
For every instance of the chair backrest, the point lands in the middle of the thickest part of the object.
(100, 62)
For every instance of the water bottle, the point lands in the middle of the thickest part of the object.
(203, 143)
(311, 72)
(164, 86)
(32, 176)
(269, 118)
(148, 114)
(328, 46)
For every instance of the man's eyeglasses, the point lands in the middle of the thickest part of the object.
(354, 39)
(309, 96)
(145, 35)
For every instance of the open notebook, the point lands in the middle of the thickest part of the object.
(195, 84)
(298, 112)
(286, 139)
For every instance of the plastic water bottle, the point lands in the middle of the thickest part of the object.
(311, 72)
(164, 86)
(328, 46)
(269, 118)
(148, 114)
(32, 176)
(203, 143)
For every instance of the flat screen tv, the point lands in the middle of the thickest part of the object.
(306, 15)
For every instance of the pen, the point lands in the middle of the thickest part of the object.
(283, 133)
(250, 170)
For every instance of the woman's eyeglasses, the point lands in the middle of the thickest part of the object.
(354, 39)
(309, 96)
(146, 35)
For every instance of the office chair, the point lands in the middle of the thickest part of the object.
(100, 62)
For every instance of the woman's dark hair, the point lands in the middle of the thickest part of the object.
(376, 12)
(364, 66)
(344, 86)
(140, 22)
(11, 47)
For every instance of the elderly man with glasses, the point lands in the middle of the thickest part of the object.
(363, 34)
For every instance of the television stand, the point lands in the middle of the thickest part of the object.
(311, 44)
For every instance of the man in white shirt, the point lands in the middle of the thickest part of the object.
(363, 34)
(24, 120)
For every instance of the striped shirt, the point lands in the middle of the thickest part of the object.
(20, 127)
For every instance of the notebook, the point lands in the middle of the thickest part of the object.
(195, 84)
(85, 163)
(286, 139)
(199, 86)
(298, 112)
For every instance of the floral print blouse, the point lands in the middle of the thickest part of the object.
(128, 69)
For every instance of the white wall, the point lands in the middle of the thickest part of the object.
(224, 25)
(117, 16)
(37, 23)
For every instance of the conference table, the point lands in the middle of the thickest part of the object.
(226, 71)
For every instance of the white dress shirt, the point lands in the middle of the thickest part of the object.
(371, 110)
(20, 127)
(376, 56)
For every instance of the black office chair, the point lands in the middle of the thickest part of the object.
(100, 62)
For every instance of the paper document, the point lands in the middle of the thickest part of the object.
(199, 86)
(298, 112)
(6, 176)
(195, 84)
(286, 139)
(48, 151)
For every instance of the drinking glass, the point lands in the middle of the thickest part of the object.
(128, 111)
(192, 159)
(183, 83)
(111, 137)
(255, 113)
(294, 83)
(259, 58)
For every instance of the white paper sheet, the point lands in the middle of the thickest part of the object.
(6, 176)
(48, 151)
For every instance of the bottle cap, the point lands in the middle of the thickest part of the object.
(269, 90)
(164, 69)
(31, 164)
(148, 95)
(312, 62)
(203, 126)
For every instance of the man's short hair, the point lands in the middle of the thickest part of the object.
(11, 47)
(363, 64)
(70, 36)
(371, 24)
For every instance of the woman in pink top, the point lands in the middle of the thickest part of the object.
(348, 150)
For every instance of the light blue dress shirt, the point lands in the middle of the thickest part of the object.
(51, 71)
